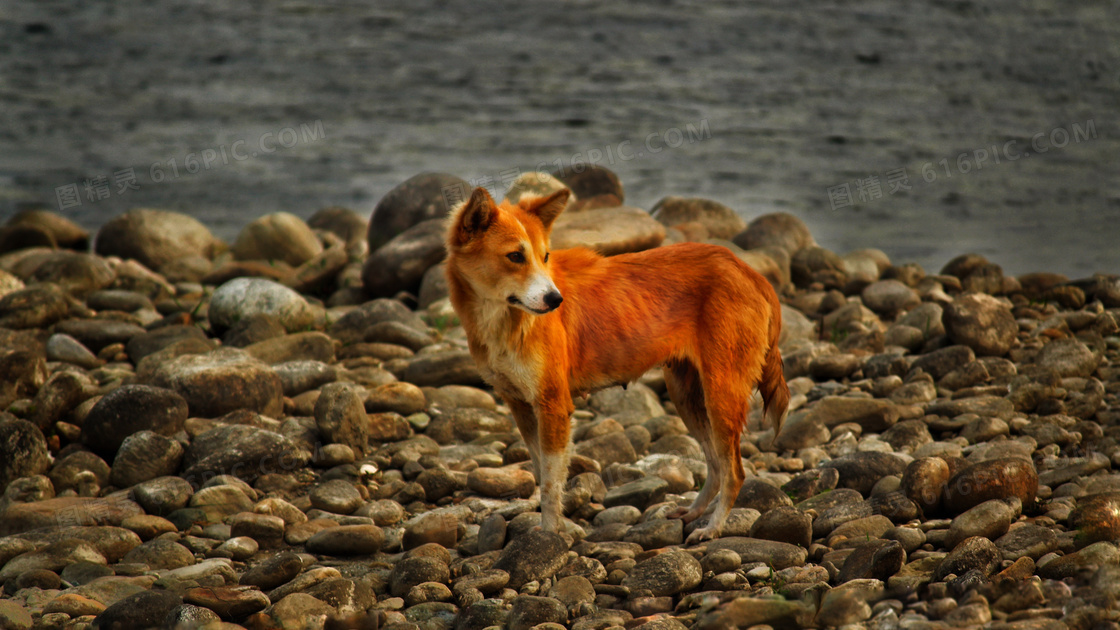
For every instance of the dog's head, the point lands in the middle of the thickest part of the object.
(502, 251)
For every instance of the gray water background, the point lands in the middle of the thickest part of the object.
(765, 106)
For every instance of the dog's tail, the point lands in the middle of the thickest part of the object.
(775, 392)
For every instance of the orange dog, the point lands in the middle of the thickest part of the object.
(546, 325)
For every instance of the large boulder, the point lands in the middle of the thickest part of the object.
(225, 380)
(981, 322)
(155, 237)
(721, 222)
(399, 265)
(778, 229)
(130, 409)
(419, 198)
(23, 450)
(278, 236)
(608, 231)
(242, 298)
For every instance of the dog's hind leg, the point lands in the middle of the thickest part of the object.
(687, 393)
(728, 399)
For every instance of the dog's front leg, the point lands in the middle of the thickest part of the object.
(554, 418)
(526, 419)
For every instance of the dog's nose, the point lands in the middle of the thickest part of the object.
(553, 299)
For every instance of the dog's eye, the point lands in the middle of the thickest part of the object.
(546, 256)
(516, 257)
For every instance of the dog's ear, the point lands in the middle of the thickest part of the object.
(550, 207)
(474, 217)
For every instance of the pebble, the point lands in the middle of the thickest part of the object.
(347, 540)
(336, 496)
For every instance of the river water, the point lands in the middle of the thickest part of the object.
(924, 128)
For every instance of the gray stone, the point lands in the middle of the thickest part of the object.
(143, 456)
(243, 297)
(667, 573)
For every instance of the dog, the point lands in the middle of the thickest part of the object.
(546, 325)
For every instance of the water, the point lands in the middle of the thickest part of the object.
(241, 109)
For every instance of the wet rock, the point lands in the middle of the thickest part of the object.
(641, 492)
(877, 560)
(146, 609)
(341, 417)
(436, 369)
(656, 533)
(608, 231)
(143, 456)
(1086, 560)
(989, 519)
(974, 553)
(942, 361)
(23, 450)
(230, 602)
(37, 306)
(267, 530)
(861, 470)
(222, 381)
(241, 298)
(346, 540)
(590, 182)
(888, 297)
(761, 496)
(874, 415)
(297, 377)
(1027, 540)
(277, 236)
(784, 524)
(1000, 478)
(535, 555)
(352, 327)
(62, 231)
(1096, 518)
(667, 573)
(64, 348)
(160, 554)
(54, 557)
(162, 496)
(274, 571)
(155, 237)
(612, 448)
(779, 229)
(507, 482)
(420, 198)
(58, 396)
(780, 555)
(74, 472)
(721, 222)
(993, 406)
(130, 409)
(66, 511)
(245, 451)
(440, 526)
(1067, 357)
(305, 346)
(336, 496)
(400, 263)
(529, 611)
(153, 341)
(982, 323)
(414, 571)
(923, 482)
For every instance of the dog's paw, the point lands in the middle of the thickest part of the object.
(703, 534)
(685, 514)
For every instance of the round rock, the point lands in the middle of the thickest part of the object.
(155, 237)
(243, 297)
(278, 236)
(130, 409)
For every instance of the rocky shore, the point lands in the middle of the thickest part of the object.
(287, 431)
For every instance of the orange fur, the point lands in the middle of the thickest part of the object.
(708, 318)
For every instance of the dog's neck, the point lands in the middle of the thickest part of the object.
(491, 325)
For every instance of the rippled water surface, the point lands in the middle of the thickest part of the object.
(955, 125)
